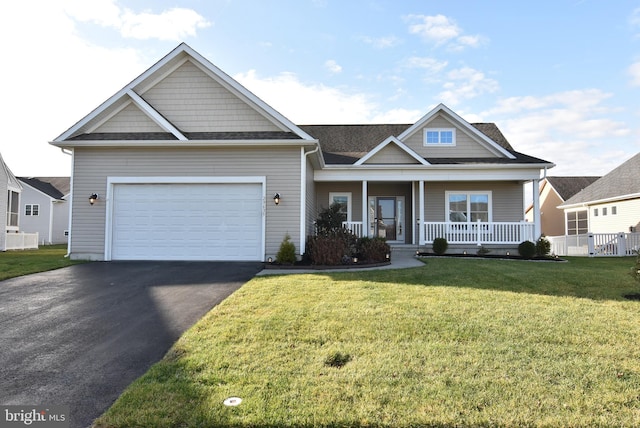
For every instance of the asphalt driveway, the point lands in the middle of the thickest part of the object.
(78, 336)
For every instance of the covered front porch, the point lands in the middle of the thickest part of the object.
(469, 213)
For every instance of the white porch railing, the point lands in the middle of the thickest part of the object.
(596, 244)
(354, 227)
(479, 233)
(21, 241)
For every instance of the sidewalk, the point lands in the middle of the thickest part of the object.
(400, 259)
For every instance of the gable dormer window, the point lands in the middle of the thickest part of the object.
(440, 137)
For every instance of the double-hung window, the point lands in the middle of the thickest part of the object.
(13, 208)
(468, 207)
(577, 222)
(440, 137)
(32, 209)
(344, 200)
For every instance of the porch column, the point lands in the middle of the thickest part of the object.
(537, 227)
(421, 218)
(365, 209)
(413, 211)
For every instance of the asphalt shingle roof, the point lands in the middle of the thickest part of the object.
(56, 187)
(569, 186)
(623, 180)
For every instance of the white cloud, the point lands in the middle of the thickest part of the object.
(432, 65)
(382, 42)
(634, 19)
(173, 24)
(634, 72)
(333, 66)
(466, 83)
(319, 104)
(441, 30)
(566, 128)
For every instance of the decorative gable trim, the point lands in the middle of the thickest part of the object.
(488, 142)
(155, 115)
(385, 143)
(176, 56)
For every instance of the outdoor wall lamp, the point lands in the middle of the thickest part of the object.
(93, 198)
(276, 198)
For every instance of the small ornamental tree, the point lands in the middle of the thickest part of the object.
(329, 220)
(543, 246)
(287, 252)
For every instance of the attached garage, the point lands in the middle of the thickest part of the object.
(165, 220)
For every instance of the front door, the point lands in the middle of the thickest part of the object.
(386, 217)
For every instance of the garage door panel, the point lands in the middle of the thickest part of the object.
(187, 222)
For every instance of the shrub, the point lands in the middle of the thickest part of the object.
(328, 249)
(527, 249)
(483, 251)
(543, 246)
(287, 252)
(440, 246)
(373, 250)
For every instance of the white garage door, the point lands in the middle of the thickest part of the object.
(187, 222)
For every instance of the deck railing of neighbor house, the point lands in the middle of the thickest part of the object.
(21, 241)
(596, 244)
(479, 233)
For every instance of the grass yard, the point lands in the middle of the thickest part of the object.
(457, 342)
(18, 263)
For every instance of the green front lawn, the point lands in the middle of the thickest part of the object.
(457, 342)
(18, 263)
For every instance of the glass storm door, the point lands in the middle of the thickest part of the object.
(386, 217)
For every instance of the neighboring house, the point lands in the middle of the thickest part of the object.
(45, 208)
(609, 205)
(553, 192)
(184, 163)
(9, 203)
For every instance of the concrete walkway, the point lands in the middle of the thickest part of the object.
(401, 258)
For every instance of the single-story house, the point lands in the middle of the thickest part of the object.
(610, 205)
(184, 163)
(45, 208)
(10, 189)
(553, 192)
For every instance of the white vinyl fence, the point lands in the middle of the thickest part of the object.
(596, 244)
(21, 241)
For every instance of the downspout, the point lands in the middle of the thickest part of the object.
(303, 197)
(70, 153)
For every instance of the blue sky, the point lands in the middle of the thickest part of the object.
(560, 78)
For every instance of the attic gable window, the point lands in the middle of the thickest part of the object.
(440, 137)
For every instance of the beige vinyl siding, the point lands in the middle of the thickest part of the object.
(129, 119)
(194, 102)
(627, 214)
(465, 147)
(507, 198)
(391, 154)
(94, 165)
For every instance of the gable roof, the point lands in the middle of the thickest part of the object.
(129, 94)
(566, 187)
(346, 144)
(401, 146)
(12, 181)
(441, 108)
(54, 187)
(621, 183)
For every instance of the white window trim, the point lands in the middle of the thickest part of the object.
(31, 210)
(439, 131)
(468, 193)
(348, 195)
